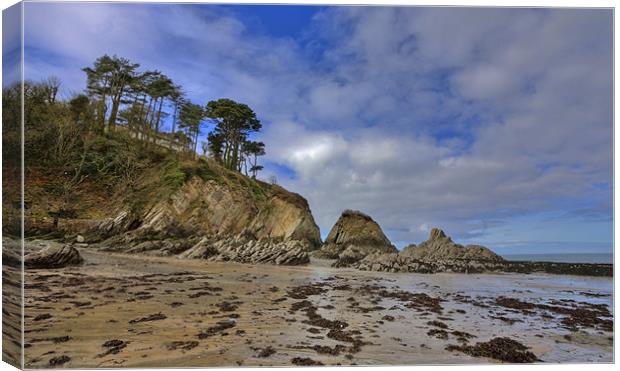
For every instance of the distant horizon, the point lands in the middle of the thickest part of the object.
(600, 258)
(493, 124)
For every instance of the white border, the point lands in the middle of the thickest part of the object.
(479, 3)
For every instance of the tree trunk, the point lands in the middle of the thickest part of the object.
(102, 109)
(116, 102)
(142, 106)
(152, 118)
(146, 129)
(161, 103)
(174, 120)
(196, 143)
(148, 110)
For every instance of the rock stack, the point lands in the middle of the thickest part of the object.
(437, 254)
(354, 236)
(441, 247)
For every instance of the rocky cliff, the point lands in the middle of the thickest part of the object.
(207, 207)
(184, 208)
(354, 236)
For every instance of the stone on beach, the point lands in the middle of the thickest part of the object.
(53, 256)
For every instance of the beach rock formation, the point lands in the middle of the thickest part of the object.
(441, 247)
(438, 254)
(241, 219)
(53, 256)
(245, 249)
(11, 252)
(202, 207)
(354, 236)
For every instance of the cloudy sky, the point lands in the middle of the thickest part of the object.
(494, 124)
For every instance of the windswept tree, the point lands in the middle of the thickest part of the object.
(119, 94)
(160, 89)
(108, 79)
(234, 122)
(191, 117)
(145, 102)
(177, 96)
(251, 151)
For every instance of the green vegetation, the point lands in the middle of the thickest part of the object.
(138, 101)
(109, 141)
(229, 140)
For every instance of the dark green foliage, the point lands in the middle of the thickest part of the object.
(108, 80)
(190, 118)
(234, 122)
(251, 150)
(111, 137)
(80, 108)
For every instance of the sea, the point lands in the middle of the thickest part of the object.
(606, 258)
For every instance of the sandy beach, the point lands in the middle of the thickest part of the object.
(120, 310)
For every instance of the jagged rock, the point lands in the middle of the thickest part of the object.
(243, 250)
(53, 256)
(11, 252)
(208, 208)
(354, 236)
(441, 247)
(109, 227)
(438, 254)
(79, 239)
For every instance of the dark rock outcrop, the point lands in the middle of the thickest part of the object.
(11, 252)
(441, 247)
(440, 254)
(354, 236)
(53, 256)
(247, 250)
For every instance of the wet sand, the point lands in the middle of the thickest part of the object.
(136, 311)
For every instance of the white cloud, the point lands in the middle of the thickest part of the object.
(454, 117)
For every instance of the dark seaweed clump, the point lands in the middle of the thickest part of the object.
(501, 348)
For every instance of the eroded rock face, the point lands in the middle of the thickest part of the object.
(210, 208)
(53, 256)
(246, 250)
(354, 236)
(11, 252)
(403, 263)
(441, 247)
(235, 221)
(438, 254)
(242, 248)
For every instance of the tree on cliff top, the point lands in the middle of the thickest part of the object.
(251, 151)
(109, 78)
(233, 123)
(190, 118)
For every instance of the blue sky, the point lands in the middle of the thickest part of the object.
(494, 124)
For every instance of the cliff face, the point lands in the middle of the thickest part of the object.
(354, 236)
(176, 206)
(218, 219)
(209, 208)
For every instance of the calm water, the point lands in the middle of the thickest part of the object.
(562, 258)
